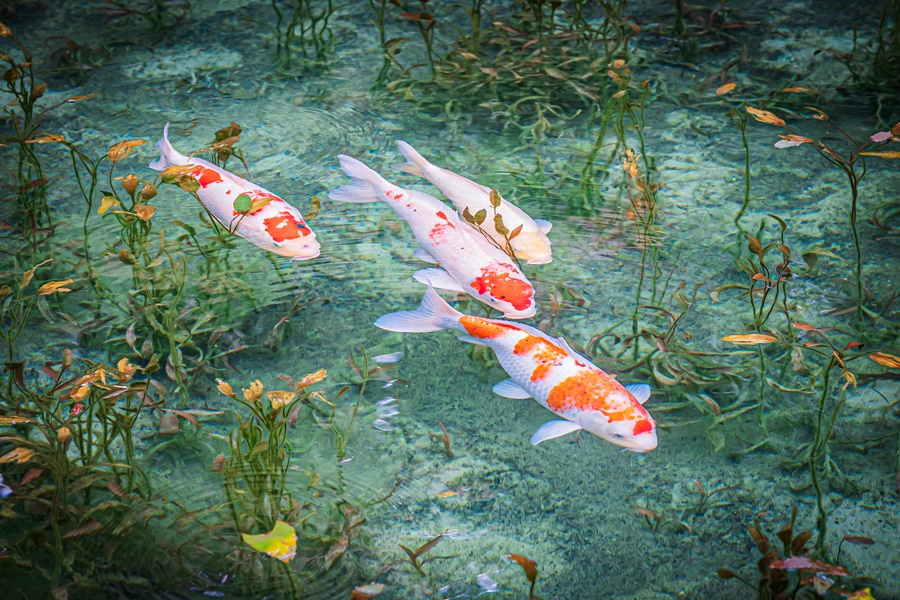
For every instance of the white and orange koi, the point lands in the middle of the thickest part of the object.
(531, 244)
(548, 370)
(472, 265)
(275, 225)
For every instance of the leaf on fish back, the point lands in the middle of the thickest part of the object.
(84, 529)
(764, 116)
(886, 360)
(280, 543)
(750, 339)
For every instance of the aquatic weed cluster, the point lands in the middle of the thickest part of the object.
(149, 319)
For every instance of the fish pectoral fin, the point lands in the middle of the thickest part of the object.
(510, 389)
(640, 391)
(544, 226)
(553, 429)
(422, 255)
(438, 278)
(472, 340)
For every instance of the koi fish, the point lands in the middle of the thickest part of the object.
(546, 369)
(472, 265)
(273, 224)
(531, 244)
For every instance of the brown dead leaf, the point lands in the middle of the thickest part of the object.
(749, 339)
(764, 116)
(886, 360)
(724, 89)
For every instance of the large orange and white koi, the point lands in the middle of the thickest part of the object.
(472, 265)
(275, 225)
(548, 370)
(531, 244)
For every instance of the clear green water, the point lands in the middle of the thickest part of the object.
(568, 504)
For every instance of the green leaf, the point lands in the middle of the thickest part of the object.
(480, 216)
(280, 543)
(188, 184)
(499, 225)
(243, 204)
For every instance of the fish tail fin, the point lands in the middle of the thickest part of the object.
(168, 155)
(415, 161)
(365, 184)
(433, 314)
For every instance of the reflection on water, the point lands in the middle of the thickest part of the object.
(162, 393)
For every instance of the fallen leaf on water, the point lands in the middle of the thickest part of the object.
(18, 455)
(84, 529)
(724, 89)
(749, 339)
(764, 116)
(886, 360)
(280, 543)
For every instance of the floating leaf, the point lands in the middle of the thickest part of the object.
(724, 89)
(280, 543)
(52, 287)
(886, 360)
(122, 149)
(749, 339)
(764, 116)
(243, 204)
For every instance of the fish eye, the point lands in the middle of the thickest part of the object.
(619, 435)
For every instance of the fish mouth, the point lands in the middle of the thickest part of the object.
(307, 256)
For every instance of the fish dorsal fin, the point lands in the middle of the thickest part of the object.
(510, 389)
(544, 226)
(553, 429)
(640, 391)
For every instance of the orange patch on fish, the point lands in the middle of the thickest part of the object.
(483, 329)
(284, 226)
(643, 426)
(502, 285)
(544, 354)
(206, 176)
(440, 229)
(593, 390)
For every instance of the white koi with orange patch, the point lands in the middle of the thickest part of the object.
(531, 244)
(472, 265)
(276, 227)
(548, 370)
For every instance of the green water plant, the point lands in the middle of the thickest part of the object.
(301, 25)
(415, 556)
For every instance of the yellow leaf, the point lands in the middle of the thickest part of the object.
(144, 212)
(26, 277)
(122, 149)
(792, 90)
(255, 391)
(106, 203)
(885, 154)
(47, 138)
(125, 369)
(280, 543)
(619, 94)
(749, 339)
(312, 378)
(80, 98)
(52, 287)
(279, 398)
(764, 116)
(63, 434)
(225, 388)
(724, 89)
(447, 494)
(8, 421)
(18, 455)
(886, 360)
(177, 170)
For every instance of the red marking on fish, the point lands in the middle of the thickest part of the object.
(285, 226)
(503, 285)
(206, 176)
(544, 354)
(441, 229)
(591, 390)
(484, 329)
(643, 426)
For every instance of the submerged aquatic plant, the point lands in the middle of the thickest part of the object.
(305, 28)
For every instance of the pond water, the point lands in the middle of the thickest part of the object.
(615, 122)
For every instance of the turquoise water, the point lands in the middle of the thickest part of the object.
(734, 443)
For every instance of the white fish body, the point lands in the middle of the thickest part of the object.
(548, 370)
(471, 264)
(276, 227)
(531, 245)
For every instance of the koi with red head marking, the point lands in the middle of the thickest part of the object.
(271, 223)
(548, 370)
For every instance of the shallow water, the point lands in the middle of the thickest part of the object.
(569, 503)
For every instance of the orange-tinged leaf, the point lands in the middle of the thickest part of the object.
(144, 211)
(794, 90)
(279, 398)
(749, 339)
(528, 565)
(17, 455)
(106, 203)
(362, 592)
(724, 89)
(883, 154)
(27, 276)
(803, 326)
(47, 138)
(52, 287)
(764, 116)
(864, 594)
(280, 543)
(122, 149)
(225, 388)
(809, 565)
(446, 494)
(886, 360)
(80, 98)
(84, 529)
(312, 378)
(8, 421)
(254, 393)
(31, 475)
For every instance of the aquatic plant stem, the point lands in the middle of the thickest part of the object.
(740, 121)
(815, 450)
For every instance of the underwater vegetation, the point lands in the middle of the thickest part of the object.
(649, 211)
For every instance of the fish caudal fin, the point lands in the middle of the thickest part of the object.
(365, 184)
(415, 161)
(168, 155)
(433, 314)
